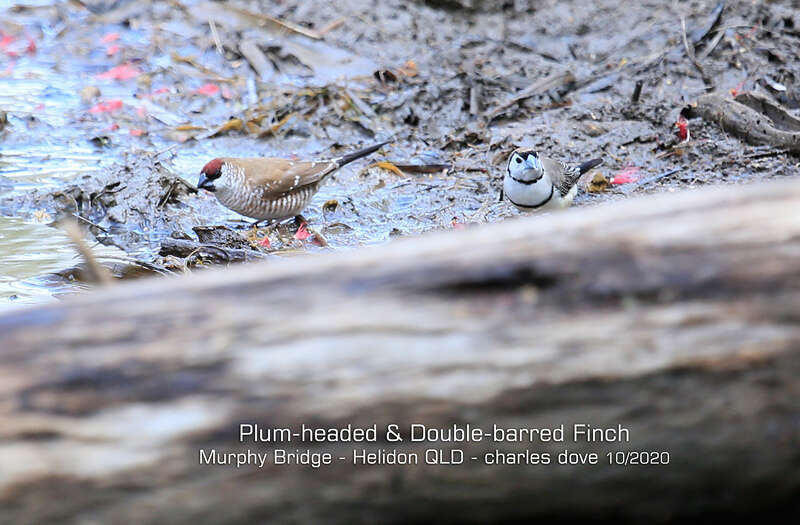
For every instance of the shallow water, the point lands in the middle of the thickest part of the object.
(28, 252)
(53, 137)
(47, 140)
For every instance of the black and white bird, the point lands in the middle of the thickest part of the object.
(534, 182)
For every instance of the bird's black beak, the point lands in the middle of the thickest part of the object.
(204, 183)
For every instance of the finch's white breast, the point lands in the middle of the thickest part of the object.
(529, 196)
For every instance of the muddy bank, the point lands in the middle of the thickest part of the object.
(150, 91)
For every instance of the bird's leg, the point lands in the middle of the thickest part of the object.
(304, 231)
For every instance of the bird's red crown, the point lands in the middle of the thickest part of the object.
(212, 168)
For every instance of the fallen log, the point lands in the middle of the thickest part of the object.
(672, 317)
(751, 117)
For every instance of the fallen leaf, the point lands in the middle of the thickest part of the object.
(234, 124)
(6, 41)
(388, 166)
(629, 174)
(456, 224)
(275, 127)
(264, 242)
(109, 105)
(598, 184)
(408, 69)
(421, 168)
(112, 50)
(110, 37)
(137, 132)
(122, 72)
(14, 47)
(207, 89)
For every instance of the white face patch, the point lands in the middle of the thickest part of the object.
(523, 168)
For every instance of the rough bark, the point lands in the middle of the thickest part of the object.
(675, 316)
(750, 117)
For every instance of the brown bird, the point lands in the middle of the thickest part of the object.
(270, 188)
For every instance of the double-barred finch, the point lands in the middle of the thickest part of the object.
(534, 182)
(270, 188)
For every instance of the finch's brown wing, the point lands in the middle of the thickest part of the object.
(279, 176)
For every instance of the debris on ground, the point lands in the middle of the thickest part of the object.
(112, 108)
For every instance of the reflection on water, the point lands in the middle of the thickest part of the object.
(28, 251)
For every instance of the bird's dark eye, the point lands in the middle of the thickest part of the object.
(519, 160)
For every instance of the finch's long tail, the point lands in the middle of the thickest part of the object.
(589, 164)
(341, 161)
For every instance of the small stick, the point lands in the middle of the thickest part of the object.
(690, 54)
(215, 36)
(761, 154)
(651, 179)
(327, 28)
(554, 81)
(95, 272)
(87, 221)
(637, 92)
(167, 149)
(474, 99)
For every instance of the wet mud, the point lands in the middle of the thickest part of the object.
(110, 110)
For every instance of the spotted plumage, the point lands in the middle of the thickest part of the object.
(534, 182)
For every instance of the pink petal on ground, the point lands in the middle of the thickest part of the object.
(207, 89)
(123, 72)
(629, 174)
(102, 107)
(6, 41)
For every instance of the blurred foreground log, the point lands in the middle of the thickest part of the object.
(675, 316)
